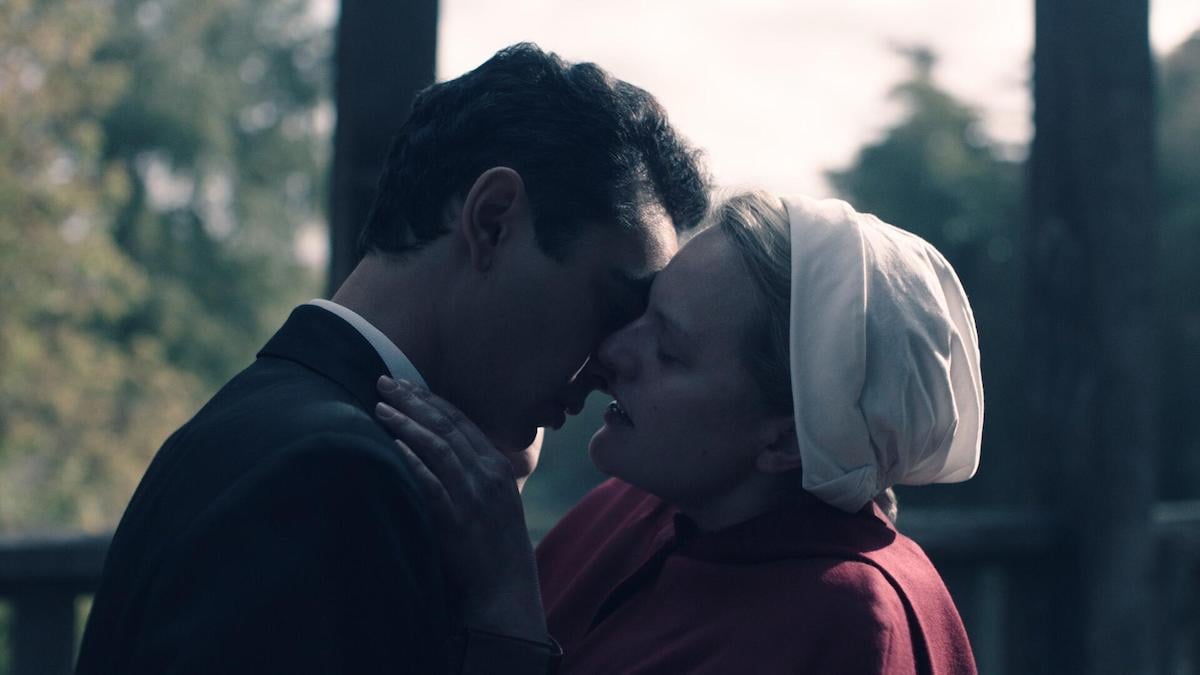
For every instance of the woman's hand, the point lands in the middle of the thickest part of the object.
(470, 488)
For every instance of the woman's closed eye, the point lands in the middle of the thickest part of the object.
(667, 351)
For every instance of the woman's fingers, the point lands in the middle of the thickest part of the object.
(431, 449)
(475, 438)
(433, 428)
(416, 403)
(445, 414)
(436, 497)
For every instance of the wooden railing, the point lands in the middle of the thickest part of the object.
(1002, 567)
(42, 578)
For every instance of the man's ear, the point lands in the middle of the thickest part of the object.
(495, 208)
(781, 451)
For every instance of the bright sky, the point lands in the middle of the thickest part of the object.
(777, 91)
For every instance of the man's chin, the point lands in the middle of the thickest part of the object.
(524, 454)
(512, 441)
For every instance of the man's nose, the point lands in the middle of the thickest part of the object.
(589, 378)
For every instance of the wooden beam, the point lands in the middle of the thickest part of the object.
(385, 54)
(982, 536)
(1092, 349)
(63, 561)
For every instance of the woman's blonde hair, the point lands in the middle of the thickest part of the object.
(757, 224)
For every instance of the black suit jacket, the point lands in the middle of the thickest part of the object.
(276, 532)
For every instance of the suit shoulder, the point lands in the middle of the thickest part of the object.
(274, 391)
(271, 405)
(341, 451)
(267, 419)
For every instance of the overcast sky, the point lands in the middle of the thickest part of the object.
(777, 91)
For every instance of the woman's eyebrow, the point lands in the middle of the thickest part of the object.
(672, 325)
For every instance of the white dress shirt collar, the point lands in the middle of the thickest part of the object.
(397, 363)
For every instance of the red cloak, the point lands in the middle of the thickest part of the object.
(631, 586)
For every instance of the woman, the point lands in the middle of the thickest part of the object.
(795, 361)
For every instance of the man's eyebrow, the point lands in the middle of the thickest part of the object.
(638, 286)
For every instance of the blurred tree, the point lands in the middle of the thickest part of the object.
(221, 141)
(937, 174)
(156, 160)
(70, 397)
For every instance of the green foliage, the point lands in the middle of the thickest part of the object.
(937, 174)
(122, 308)
(220, 145)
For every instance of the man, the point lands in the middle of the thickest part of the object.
(522, 211)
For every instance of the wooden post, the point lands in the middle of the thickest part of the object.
(385, 55)
(1094, 380)
(42, 576)
(43, 632)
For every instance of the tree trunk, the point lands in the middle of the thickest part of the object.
(385, 55)
(1092, 349)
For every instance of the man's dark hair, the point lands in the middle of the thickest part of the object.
(588, 146)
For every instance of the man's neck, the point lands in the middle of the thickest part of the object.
(396, 299)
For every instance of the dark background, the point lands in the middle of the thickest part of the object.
(166, 171)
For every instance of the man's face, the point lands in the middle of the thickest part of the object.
(534, 322)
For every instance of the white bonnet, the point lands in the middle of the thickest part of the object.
(884, 356)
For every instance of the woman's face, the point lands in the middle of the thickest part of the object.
(688, 421)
